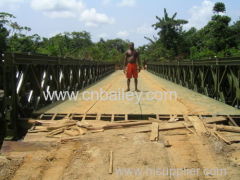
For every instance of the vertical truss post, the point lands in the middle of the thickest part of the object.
(10, 97)
(2, 118)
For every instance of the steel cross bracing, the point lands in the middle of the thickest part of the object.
(26, 77)
(216, 78)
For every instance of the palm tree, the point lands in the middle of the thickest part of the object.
(170, 29)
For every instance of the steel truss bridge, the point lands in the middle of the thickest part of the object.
(216, 78)
(24, 78)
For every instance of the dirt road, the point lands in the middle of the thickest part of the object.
(134, 157)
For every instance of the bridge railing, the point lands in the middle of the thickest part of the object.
(2, 120)
(27, 77)
(217, 78)
(1, 72)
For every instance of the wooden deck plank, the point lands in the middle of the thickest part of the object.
(154, 133)
(198, 125)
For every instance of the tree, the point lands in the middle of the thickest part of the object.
(3, 39)
(236, 32)
(217, 35)
(5, 18)
(219, 7)
(4, 21)
(170, 31)
(24, 44)
(217, 38)
(112, 50)
(76, 41)
(10, 28)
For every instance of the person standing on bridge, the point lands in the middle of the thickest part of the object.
(132, 66)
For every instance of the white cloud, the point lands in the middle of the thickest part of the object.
(123, 34)
(71, 9)
(91, 18)
(58, 8)
(57, 5)
(127, 3)
(145, 29)
(10, 4)
(200, 15)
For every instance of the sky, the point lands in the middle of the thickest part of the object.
(109, 19)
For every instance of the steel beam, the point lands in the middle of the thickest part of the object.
(216, 78)
(27, 77)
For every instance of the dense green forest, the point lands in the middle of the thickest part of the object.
(219, 38)
(68, 44)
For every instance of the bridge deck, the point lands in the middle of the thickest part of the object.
(187, 102)
(88, 155)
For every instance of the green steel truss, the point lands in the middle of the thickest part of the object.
(216, 78)
(24, 78)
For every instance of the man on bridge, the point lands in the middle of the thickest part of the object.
(132, 66)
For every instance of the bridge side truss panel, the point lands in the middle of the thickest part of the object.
(27, 78)
(216, 80)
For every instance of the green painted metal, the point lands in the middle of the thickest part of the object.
(26, 77)
(2, 119)
(216, 78)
